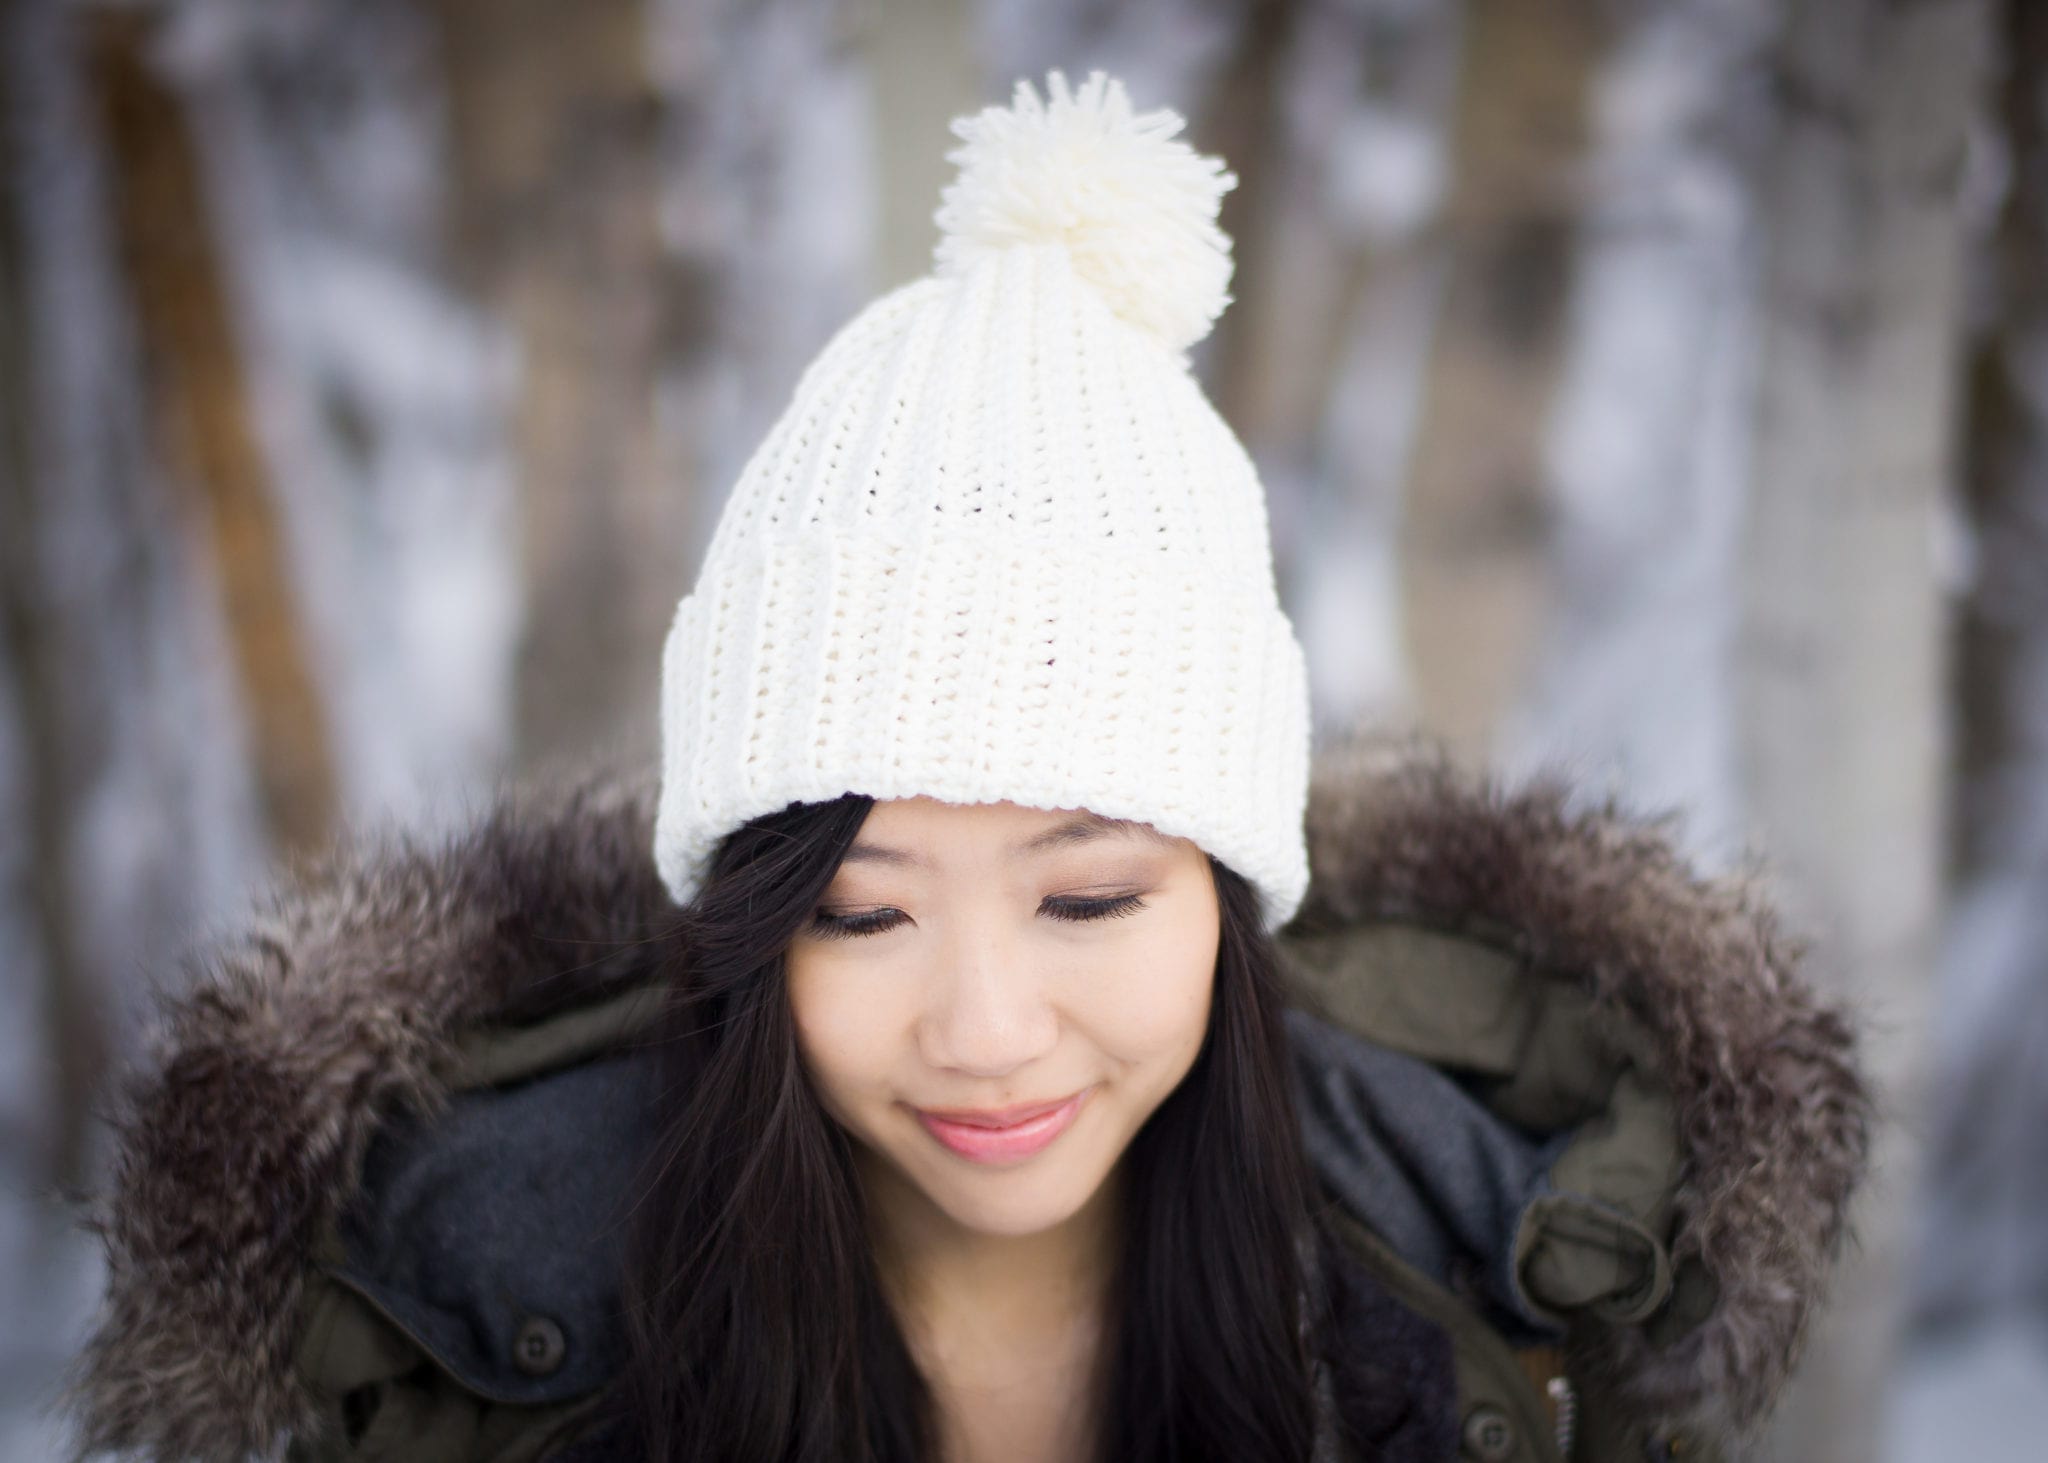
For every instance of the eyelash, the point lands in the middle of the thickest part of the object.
(837, 926)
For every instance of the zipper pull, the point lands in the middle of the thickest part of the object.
(1567, 1404)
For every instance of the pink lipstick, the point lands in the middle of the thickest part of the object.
(1003, 1135)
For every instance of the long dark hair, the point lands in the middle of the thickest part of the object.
(756, 1320)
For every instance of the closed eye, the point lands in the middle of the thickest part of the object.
(1080, 909)
(874, 922)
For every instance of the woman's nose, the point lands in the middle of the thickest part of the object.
(990, 1013)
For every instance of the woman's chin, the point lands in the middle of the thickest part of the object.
(1010, 1202)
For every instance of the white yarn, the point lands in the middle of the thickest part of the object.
(1000, 547)
(1135, 209)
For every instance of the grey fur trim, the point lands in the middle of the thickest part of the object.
(245, 1130)
(1774, 1113)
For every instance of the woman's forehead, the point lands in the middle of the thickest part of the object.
(905, 826)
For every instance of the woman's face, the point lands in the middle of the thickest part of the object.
(969, 958)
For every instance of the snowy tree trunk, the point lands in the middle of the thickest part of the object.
(1646, 457)
(1340, 310)
(143, 813)
(175, 273)
(554, 120)
(128, 812)
(2002, 811)
(1841, 670)
(767, 197)
(375, 391)
(1476, 584)
(1984, 1254)
(670, 202)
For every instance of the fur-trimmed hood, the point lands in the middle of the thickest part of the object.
(244, 1131)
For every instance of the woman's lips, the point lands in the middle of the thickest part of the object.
(983, 1143)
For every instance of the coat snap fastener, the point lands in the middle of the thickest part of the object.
(1489, 1436)
(539, 1347)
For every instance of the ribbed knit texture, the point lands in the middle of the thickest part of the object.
(997, 547)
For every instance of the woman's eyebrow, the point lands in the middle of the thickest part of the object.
(1081, 828)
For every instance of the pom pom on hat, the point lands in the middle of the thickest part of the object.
(1135, 208)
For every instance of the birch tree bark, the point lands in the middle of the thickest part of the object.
(1840, 691)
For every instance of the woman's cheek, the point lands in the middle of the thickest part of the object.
(1146, 1010)
(841, 1031)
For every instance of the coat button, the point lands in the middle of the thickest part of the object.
(1489, 1436)
(539, 1347)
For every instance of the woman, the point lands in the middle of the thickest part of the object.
(993, 1059)
(994, 1040)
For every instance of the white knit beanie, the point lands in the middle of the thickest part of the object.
(999, 546)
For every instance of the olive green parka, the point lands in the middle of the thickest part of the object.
(1571, 1099)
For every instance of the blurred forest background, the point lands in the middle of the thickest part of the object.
(1659, 387)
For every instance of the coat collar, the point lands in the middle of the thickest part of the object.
(1773, 1111)
(243, 1131)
